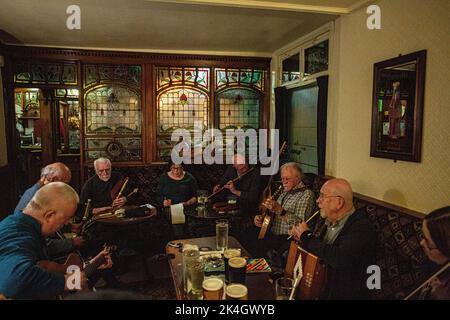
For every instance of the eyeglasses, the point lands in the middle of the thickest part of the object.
(104, 170)
(176, 168)
(324, 196)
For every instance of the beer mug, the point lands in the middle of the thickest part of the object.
(236, 291)
(221, 234)
(237, 269)
(212, 289)
(227, 255)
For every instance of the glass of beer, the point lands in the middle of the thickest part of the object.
(283, 288)
(227, 255)
(221, 234)
(212, 289)
(236, 291)
(195, 273)
(237, 269)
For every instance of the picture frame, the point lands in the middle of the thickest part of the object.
(397, 107)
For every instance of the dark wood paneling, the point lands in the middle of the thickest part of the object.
(7, 200)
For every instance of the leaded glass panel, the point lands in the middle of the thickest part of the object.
(113, 110)
(117, 149)
(45, 73)
(239, 77)
(197, 77)
(95, 74)
(238, 109)
(316, 58)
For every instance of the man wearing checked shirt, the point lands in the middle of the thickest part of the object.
(295, 204)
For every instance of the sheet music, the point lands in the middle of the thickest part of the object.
(177, 213)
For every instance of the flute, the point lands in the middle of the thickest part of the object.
(309, 219)
(123, 188)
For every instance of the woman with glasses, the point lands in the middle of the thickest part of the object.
(177, 186)
(436, 245)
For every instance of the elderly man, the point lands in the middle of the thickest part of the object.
(347, 247)
(247, 189)
(21, 245)
(99, 188)
(53, 172)
(294, 204)
(57, 171)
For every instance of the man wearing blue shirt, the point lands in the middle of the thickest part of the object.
(22, 244)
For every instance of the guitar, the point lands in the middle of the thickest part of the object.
(313, 282)
(74, 259)
(268, 215)
(266, 195)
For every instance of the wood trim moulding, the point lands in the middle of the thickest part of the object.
(135, 57)
(388, 205)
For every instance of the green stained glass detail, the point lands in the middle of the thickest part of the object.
(37, 73)
(95, 74)
(239, 77)
(183, 76)
(45, 73)
(69, 74)
(239, 109)
(53, 73)
(113, 110)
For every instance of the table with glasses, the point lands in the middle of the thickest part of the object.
(259, 287)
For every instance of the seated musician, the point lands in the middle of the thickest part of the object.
(51, 173)
(436, 245)
(177, 186)
(247, 189)
(348, 245)
(21, 245)
(103, 189)
(294, 204)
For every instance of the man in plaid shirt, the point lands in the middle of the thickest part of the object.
(295, 204)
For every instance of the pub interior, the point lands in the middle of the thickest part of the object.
(214, 149)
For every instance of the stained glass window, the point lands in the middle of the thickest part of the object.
(179, 108)
(171, 76)
(239, 77)
(45, 73)
(113, 123)
(316, 58)
(100, 73)
(239, 109)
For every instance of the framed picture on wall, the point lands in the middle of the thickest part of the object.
(397, 107)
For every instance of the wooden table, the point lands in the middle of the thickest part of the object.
(108, 217)
(259, 288)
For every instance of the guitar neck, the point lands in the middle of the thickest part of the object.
(92, 266)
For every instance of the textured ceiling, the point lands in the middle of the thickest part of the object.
(248, 27)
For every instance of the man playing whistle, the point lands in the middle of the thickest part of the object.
(106, 189)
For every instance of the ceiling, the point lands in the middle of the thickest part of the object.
(234, 27)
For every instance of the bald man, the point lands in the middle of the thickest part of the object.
(22, 245)
(57, 171)
(348, 246)
(53, 172)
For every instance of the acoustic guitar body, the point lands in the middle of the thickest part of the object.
(72, 259)
(265, 226)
